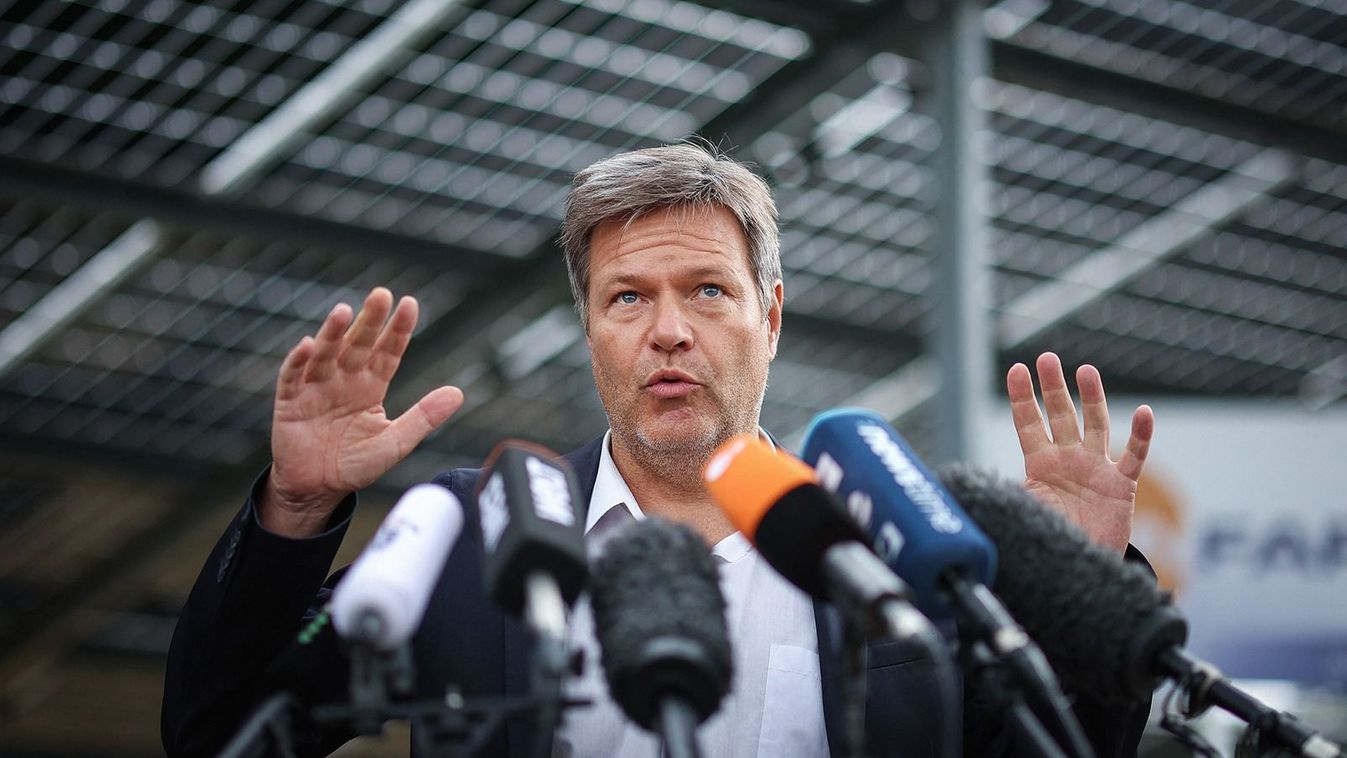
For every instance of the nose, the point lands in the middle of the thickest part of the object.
(671, 331)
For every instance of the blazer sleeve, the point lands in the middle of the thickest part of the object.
(237, 640)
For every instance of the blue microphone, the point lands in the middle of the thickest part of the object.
(918, 528)
(913, 522)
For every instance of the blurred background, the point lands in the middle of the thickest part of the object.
(1156, 186)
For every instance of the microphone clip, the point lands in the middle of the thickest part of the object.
(1178, 712)
(377, 676)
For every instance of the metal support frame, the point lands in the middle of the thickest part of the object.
(961, 339)
(1048, 304)
(1039, 309)
(192, 212)
(229, 172)
(318, 100)
(839, 49)
(64, 302)
(33, 647)
(1033, 68)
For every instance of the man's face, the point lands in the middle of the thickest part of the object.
(678, 337)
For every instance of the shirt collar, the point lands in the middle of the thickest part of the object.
(611, 492)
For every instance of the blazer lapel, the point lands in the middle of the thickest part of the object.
(829, 626)
(585, 461)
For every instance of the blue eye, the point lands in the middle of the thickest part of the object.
(711, 290)
(627, 298)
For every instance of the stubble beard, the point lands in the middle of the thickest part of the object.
(679, 459)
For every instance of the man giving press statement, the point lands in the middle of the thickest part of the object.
(674, 262)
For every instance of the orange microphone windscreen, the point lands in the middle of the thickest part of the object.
(747, 476)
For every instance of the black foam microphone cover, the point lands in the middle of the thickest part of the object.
(1100, 621)
(660, 621)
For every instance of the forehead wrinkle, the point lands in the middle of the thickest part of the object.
(629, 241)
(686, 222)
(713, 272)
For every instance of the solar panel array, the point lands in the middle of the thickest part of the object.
(187, 188)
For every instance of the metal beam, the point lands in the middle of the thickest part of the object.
(838, 49)
(104, 271)
(820, 18)
(229, 172)
(334, 88)
(1039, 70)
(1071, 290)
(1048, 304)
(961, 339)
(99, 193)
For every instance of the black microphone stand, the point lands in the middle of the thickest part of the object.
(982, 619)
(989, 672)
(551, 664)
(854, 685)
(273, 719)
(872, 600)
(1204, 686)
(449, 726)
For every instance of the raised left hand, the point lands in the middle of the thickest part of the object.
(1071, 473)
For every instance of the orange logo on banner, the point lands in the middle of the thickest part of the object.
(1157, 529)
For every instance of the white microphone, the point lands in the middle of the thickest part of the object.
(381, 599)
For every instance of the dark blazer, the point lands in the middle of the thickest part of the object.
(237, 641)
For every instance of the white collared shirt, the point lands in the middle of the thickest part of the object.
(775, 705)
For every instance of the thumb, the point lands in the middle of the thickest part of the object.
(423, 418)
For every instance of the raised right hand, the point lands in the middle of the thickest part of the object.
(330, 435)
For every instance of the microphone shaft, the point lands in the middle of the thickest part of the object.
(868, 590)
(544, 606)
(1207, 685)
(991, 622)
(677, 726)
(545, 615)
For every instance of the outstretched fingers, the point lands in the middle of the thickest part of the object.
(361, 336)
(327, 344)
(1094, 407)
(1024, 410)
(290, 381)
(387, 352)
(1138, 444)
(1057, 403)
(426, 416)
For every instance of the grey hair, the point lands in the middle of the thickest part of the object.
(686, 175)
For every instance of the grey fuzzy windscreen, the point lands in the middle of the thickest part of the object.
(1089, 611)
(660, 620)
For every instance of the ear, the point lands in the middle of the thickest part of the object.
(774, 317)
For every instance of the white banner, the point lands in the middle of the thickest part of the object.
(1242, 510)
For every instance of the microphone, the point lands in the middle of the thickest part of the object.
(534, 544)
(923, 535)
(660, 621)
(806, 536)
(534, 559)
(382, 598)
(1106, 626)
(912, 522)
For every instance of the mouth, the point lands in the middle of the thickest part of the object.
(669, 383)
